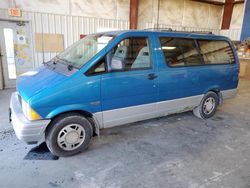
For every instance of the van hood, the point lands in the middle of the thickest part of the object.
(32, 82)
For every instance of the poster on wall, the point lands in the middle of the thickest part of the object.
(21, 39)
(23, 52)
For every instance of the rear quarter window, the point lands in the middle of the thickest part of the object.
(216, 52)
(181, 52)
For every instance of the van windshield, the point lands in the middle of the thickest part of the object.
(82, 51)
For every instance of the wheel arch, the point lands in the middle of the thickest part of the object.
(90, 116)
(217, 91)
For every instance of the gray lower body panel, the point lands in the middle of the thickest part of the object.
(116, 117)
(131, 114)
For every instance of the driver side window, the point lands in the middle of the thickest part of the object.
(130, 54)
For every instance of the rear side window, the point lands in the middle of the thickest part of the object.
(180, 51)
(216, 52)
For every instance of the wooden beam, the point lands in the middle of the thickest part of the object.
(227, 14)
(210, 2)
(133, 14)
(218, 2)
(239, 2)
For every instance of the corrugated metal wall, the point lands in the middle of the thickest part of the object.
(70, 26)
(233, 34)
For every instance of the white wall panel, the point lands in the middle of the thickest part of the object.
(4, 4)
(97, 8)
(237, 17)
(145, 12)
(196, 14)
(171, 12)
(215, 16)
(233, 34)
(181, 12)
(50, 6)
(109, 9)
(122, 12)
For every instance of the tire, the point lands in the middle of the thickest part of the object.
(68, 134)
(208, 106)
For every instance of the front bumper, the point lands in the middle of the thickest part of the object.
(28, 131)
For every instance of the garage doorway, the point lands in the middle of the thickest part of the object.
(16, 51)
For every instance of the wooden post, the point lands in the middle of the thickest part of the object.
(133, 14)
(227, 14)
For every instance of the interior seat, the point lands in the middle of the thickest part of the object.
(121, 53)
(142, 60)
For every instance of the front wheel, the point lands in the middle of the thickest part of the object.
(68, 134)
(208, 106)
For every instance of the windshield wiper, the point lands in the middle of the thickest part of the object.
(70, 67)
(54, 61)
(69, 64)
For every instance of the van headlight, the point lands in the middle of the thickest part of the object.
(29, 112)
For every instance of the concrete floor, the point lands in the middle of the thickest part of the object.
(4, 106)
(175, 151)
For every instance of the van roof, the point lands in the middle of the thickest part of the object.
(192, 34)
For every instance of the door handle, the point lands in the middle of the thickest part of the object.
(152, 76)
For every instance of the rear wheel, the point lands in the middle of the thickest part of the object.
(208, 106)
(68, 134)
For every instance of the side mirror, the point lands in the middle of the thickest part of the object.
(116, 65)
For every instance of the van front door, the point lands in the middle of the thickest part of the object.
(131, 94)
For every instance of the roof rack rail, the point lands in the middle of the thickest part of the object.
(202, 32)
(182, 31)
(160, 29)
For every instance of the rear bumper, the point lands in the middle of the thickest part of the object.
(230, 93)
(28, 131)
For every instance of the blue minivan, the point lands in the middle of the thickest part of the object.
(113, 78)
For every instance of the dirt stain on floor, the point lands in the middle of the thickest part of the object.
(40, 152)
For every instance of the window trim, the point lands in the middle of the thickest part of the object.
(196, 40)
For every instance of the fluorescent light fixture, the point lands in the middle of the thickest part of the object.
(168, 47)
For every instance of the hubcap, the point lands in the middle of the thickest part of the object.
(71, 137)
(209, 105)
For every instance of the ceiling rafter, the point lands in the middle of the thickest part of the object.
(219, 3)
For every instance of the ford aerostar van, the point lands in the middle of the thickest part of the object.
(114, 78)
